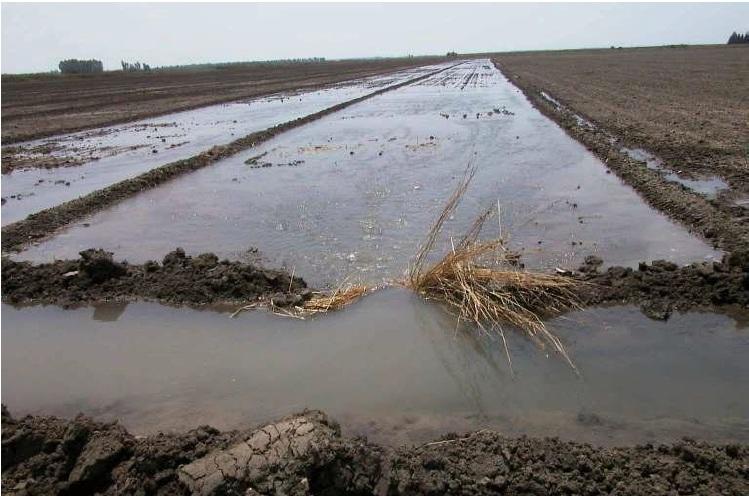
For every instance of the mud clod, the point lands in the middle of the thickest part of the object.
(662, 287)
(179, 279)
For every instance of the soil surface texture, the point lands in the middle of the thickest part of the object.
(178, 279)
(664, 287)
(305, 454)
(644, 98)
(40, 105)
(659, 288)
(687, 105)
(42, 224)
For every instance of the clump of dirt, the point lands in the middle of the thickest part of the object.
(663, 287)
(49, 455)
(305, 454)
(178, 279)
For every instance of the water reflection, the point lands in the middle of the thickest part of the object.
(108, 312)
(392, 366)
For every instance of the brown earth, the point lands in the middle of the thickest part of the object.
(178, 279)
(39, 105)
(689, 104)
(659, 288)
(641, 98)
(305, 454)
(663, 287)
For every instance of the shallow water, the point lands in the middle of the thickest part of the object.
(173, 137)
(709, 186)
(391, 366)
(354, 193)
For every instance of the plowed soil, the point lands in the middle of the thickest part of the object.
(689, 105)
(41, 105)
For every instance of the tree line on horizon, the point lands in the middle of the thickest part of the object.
(736, 38)
(75, 66)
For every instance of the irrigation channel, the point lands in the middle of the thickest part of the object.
(350, 197)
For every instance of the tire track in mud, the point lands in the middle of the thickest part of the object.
(699, 215)
(42, 224)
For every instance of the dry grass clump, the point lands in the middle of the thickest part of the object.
(481, 282)
(320, 302)
(341, 297)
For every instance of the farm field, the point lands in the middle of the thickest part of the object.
(209, 283)
(42, 173)
(35, 106)
(682, 111)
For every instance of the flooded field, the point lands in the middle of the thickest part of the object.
(73, 165)
(351, 197)
(354, 193)
(392, 367)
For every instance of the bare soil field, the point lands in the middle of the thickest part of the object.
(43, 105)
(688, 105)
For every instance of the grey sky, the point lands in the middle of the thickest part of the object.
(36, 36)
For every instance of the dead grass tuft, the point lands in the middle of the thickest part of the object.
(341, 297)
(481, 282)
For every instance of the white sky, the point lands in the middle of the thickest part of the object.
(36, 36)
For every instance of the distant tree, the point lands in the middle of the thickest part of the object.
(75, 66)
(135, 67)
(736, 38)
(452, 54)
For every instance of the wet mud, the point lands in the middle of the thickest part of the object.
(305, 454)
(41, 224)
(662, 287)
(178, 279)
(719, 220)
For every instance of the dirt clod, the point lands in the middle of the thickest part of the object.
(179, 279)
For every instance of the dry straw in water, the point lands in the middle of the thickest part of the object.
(481, 282)
(478, 281)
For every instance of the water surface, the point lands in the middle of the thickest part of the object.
(127, 150)
(392, 366)
(354, 194)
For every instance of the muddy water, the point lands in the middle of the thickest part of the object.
(354, 193)
(392, 366)
(115, 153)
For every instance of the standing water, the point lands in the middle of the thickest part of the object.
(392, 366)
(354, 193)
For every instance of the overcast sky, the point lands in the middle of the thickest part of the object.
(36, 36)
